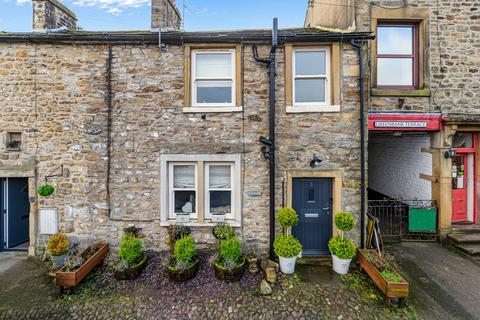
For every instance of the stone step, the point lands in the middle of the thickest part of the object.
(472, 249)
(460, 237)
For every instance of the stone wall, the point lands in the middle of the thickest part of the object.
(51, 14)
(453, 59)
(56, 95)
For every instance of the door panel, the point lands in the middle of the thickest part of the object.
(18, 210)
(459, 187)
(312, 199)
(3, 216)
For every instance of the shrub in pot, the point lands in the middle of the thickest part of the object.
(131, 259)
(343, 250)
(223, 231)
(287, 248)
(57, 246)
(184, 263)
(230, 263)
(45, 190)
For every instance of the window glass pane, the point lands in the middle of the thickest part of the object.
(220, 202)
(217, 65)
(310, 63)
(184, 177)
(214, 91)
(462, 140)
(395, 40)
(184, 201)
(219, 177)
(395, 72)
(310, 90)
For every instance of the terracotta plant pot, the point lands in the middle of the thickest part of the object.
(230, 275)
(133, 272)
(72, 279)
(183, 275)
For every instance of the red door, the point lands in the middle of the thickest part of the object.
(459, 187)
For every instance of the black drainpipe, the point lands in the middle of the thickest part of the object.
(270, 142)
(359, 48)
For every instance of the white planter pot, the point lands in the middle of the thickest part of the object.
(340, 266)
(182, 218)
(287, 265)
(218, 218)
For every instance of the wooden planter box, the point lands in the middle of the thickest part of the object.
(72, 279)
(391, 290)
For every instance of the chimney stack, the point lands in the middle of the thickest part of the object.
(51, 14)
(165, 15)
(331, 15)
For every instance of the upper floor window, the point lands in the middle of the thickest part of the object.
(397, 55)
(311, 72)
(213, 78)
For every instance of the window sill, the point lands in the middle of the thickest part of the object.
(167, 223)
(212, 109)
(306, 109)
(400, 92)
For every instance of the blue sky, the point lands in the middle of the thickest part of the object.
(16, 15)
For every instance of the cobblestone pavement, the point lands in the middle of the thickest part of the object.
(26, 293)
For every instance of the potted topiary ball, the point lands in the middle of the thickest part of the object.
(342, 249)
(287, 218)
(230, 264)
(287, 248)
(131, 260)
(57, 246)
(184, 263)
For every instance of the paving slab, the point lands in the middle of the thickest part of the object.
(444, 284)
(10, 259)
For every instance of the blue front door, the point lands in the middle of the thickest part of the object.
(312, 199)
(15, 208)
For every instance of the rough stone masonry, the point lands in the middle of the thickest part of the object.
(56, 95)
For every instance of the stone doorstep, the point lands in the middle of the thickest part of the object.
(314, 261)
(460, 237)
(472, 249)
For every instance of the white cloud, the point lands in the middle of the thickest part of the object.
(111, 3)
(111, 6)
(115, 11)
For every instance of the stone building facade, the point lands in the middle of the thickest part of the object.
(107, 115)
(446, 47)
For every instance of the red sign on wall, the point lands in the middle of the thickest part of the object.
(405, 121)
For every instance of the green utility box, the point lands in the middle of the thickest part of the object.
(422, 219)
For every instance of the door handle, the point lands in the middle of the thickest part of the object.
(326, 208)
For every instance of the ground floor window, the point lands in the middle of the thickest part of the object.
(200, 186)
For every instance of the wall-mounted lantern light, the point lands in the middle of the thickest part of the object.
(450, 153)
(316, 161)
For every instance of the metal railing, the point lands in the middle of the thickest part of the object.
(393, 215)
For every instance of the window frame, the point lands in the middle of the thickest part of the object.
(193, 77)
(166, 218)
(171, 190)
(208, 214)
(414, 55)
(327, 77)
